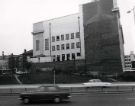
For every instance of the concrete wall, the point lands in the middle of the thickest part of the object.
(40, 59)
(38, 36)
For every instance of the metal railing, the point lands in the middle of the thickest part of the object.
(118, 88)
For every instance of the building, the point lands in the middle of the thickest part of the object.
(67, 39)
(12, 63)
(129, 61)
(103, 37)
(93, 36)
(4, 63)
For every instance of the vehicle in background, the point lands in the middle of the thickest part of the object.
(96, 83)
(43, 93)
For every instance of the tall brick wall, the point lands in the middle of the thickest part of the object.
(102, 44)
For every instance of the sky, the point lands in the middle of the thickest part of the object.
(17, 18)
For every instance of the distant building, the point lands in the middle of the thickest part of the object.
(130, 61)
(10, 63)
(93, 36)
(3, 63)
(59, 39)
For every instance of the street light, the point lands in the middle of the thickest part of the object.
(133, 9)
(54, 76)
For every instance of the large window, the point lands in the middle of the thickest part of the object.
(58, 47)
(46, 44)
(54, 58)
(68, 56)
(77, 35)
(73, 56)
(72, 35)
(57, 38)
(37, 45)
(62, 46)
(78, 44)
(62, 37)
(58, 57)
(67, 46)
(67, 36)
(78, 54)
(53, 48)
(63, 57)
(72, 45)
(53, 38)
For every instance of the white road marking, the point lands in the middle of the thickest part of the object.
(131, 98)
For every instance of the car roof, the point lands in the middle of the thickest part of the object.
(95, 80)
(56, 86)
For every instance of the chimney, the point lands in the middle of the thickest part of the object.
(3, 57)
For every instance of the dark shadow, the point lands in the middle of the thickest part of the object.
(47, 102)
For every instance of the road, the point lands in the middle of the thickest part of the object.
(90, 99)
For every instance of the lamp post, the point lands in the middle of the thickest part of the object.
(133, 9)
(54, 76)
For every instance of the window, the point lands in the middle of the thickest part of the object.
(53, 48)
(37, 45)
(72, 45)
(62, 46)
(77, 44)
(62, 37)
(78, 54)
(68, 56)
(58, 57)
(63, 57)
(54, 58)
(72, 35)
(57, 38)
(73, 56)
(53, 38)
(46, 44)
(58, 47)
(67, 46)
(67, 36)
(77, 35)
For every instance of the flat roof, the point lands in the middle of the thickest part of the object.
(58, 17)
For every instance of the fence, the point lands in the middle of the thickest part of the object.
(73, 90)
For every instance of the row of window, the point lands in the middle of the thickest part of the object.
(58, 47)
(64, 57)
(65, 37)
(127, 59)
(127, 62)
(128, 65)
(66, 46)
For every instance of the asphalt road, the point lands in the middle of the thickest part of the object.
(90, 99)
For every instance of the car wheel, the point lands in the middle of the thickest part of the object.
(26, 100)
(57, 100)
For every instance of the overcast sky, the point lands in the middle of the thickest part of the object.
(18, 16)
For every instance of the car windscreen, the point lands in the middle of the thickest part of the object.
(41, 89)
(52, 89)
(47, 89)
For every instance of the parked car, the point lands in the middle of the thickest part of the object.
(42, 93)
(96, 83)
